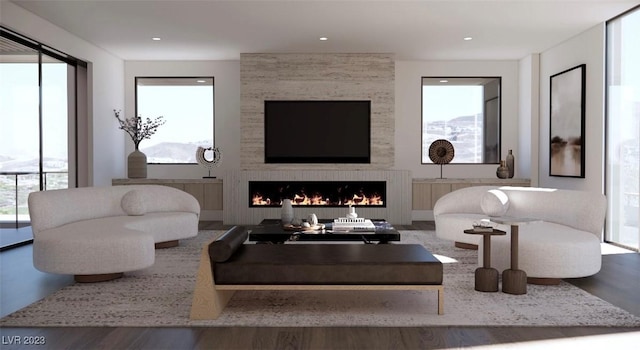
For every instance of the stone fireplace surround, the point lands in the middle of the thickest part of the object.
(236, 191)
(316, 76)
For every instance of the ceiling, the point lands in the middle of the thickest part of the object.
(412, 30)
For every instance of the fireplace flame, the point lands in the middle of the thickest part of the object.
(318, 193)
(374, 199)
(258, 200)
(317, 199)
(301, 199)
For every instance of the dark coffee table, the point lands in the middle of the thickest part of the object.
(271, 231)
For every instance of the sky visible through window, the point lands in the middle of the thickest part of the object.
(449, 102)
(453, 113)
(188, 112)
(19, 133)
(19, 140)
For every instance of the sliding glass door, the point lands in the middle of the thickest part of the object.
(19, 135)
(623, 129)
(37, 95)
(55, 123)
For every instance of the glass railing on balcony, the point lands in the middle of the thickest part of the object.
(15, 187)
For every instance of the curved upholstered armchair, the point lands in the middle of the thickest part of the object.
(105, 231)
(563, 243)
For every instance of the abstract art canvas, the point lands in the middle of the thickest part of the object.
(566, 152)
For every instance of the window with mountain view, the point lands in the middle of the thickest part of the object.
(464, 111)
(187, 105)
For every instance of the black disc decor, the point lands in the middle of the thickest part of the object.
(216, 158)
(441, 152)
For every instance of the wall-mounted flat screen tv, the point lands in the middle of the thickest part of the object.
(317, 131)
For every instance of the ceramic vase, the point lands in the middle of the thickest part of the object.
(312, 219)
(510, 164)
(286, 215)
(502, 172)
(137, 165)
(351, 214)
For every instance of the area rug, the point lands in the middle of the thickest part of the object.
(161, 296)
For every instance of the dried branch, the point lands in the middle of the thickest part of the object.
(139, 129)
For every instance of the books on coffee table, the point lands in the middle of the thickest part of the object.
(353, 224)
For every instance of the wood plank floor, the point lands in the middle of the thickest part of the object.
(327, 338)
(618, 282)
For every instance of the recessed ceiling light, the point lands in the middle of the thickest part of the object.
(200, 81)
(156, 39)
(444, 81)
(467, 38)
(324, 38)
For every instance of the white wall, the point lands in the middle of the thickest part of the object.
(529, 118)
(408, 114)
(226, 104)
(587, 47)
(106, 87)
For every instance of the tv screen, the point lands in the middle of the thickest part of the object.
(317, 131)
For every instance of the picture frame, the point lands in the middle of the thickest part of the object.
(567, 123)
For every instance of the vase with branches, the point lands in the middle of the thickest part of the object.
(138, 129)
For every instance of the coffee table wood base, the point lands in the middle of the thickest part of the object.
(514, 282)
(486, 279)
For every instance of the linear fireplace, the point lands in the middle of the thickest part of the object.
(318, 193)
(238, 210)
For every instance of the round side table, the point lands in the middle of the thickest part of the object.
(486, 277)
(514, 280)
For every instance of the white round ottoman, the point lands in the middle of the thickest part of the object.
(95, 254)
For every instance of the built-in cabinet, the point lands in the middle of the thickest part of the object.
(426, 192)
(208, 192)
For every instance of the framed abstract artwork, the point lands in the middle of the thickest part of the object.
(566, 127)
